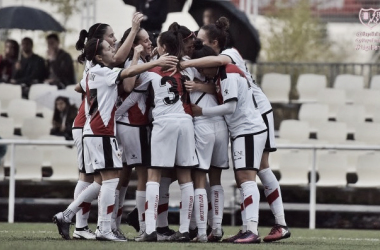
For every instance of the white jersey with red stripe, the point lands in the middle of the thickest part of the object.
(101, 94)
(261, 99)
(232, 85)
(136, 105)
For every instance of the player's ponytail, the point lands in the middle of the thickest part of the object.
(172, 40)
(218, 31)
(223, 23)
(93, 47)
(201, 50)
(83, 35)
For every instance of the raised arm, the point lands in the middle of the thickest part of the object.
(208, 61)
(129, 82)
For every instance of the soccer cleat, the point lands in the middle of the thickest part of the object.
(200, 238)
(132, 219)
(233, 238)
(63, 226)
(180, 237)
(147, 237)
(215, 235)
(164, 233)
(140, 235)
(193, 233)
(110, 236)
(248, 237)
(278, 232)
(119, 234)
(209, 229)
(84, 234)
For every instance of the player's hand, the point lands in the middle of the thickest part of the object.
(137, 51)
(154, 52)
(191, 86)
(197, 111)
(136, 20)
(167, 61)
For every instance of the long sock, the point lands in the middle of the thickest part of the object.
(210, 214)
(187, 198)
(83, 201)
(243, 218)
(251, 205)
(151, 204)
(122, 193)
(140, 204)
(106, 204)
(114, 212)
(193, 221)
(163, 203)
(273, 193)
(200, 210)
(80, 218)
(217, 200)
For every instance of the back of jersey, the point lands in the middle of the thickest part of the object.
(170, 95)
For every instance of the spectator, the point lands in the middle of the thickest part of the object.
(60, 68)
(31, 68)
(208, 16)
(63, 118)
(155, 12)
(7, 63)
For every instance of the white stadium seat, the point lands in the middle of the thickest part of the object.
(294, 131)
(332, 132)
(349, 83)
(28, 163)
(276, 87)
(21, 109)
(331, 169)
(368, 133)
(368, 171)
(351, 114)
(294, 167)
(35, 127)
(8, 92)
(6, 127)
(334, 98)
(314, 113)
(64, 164)
(308, 86)
(375, 82)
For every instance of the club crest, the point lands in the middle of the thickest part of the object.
(369, 17)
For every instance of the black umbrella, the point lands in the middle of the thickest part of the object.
(21, 17)
(245, 38)
(173, 5)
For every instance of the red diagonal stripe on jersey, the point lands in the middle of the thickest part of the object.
(110, 208)
(85, 207)
(248, 201)
(162, 208)
(241, 206)
(273, 196)
(146, 205)
(119, 212)
(209, 206)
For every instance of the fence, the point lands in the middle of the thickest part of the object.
(312, 204)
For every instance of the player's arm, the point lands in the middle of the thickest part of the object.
(208, 61)
(192, 86)
(220, 110)
(128, 103)
(125, 48)
(78, 88)
(129, 82)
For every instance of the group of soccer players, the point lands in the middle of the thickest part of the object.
(169, 112)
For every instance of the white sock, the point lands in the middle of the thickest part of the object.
(140, 204)
(80, 218)
(106, 204)
(243, 218)
(187, 202)
(115, 208)
(217, 200)
(200, 210)
(210, 214)
(163, 203)
(273, 193)
(83, 201)
(193, 221)
(251, 204)
(122, 193)
(151, 205)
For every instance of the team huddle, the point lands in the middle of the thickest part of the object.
(170, 113)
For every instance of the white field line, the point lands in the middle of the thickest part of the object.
(32, 232)
(341, 238)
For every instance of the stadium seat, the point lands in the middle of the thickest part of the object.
(331, 169)
(28, 162)
(276, 87)
(313, 113)
(35, 127)
(375, 82)
(351, 114)
(367, 133)
(349, 83)
(47, 114)
(294, 131)
(332, 132)
(71, 88)
(8, 92)
(64, 165)
(37, 90)
(47, 150)
(334, 98)
(20, 109)
(6, 127)
(376, 116)
(368, 171)
(370, 99)
(294, 167)
(308, 86)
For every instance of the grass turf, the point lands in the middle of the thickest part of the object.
(43, 236)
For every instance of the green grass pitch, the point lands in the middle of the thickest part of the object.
(44, 236)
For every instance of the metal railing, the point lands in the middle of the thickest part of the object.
(313, 187)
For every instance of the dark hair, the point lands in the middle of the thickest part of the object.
(96, 31)
(218, 31)
(185, 32)
(201, 50)
(93, 47)
(135, 41)
(173, 43)
(16, 47)
(27, 39)
(53, 36)
(56, 115)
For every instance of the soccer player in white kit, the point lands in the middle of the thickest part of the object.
(214, 35)
(247, 129)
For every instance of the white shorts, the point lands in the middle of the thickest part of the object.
(270, 144)
(247, 151)
(78, 141)
(173, 143)
(135, 144)
(211, 143)
(101, 153)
